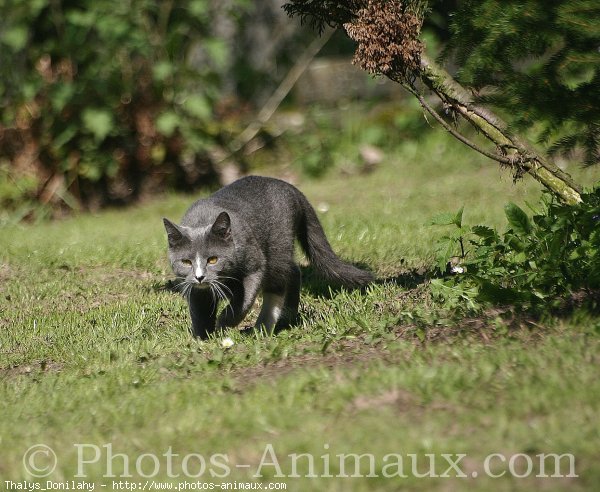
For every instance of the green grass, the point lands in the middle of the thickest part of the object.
(94, 352)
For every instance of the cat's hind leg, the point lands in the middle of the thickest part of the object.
(271, 311)
(289, 316)
(281, 298)
(203, 311)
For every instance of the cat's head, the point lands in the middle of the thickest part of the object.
(202, 255)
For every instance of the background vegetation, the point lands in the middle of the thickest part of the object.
(108, 103)
(102, 101)
(529, 55)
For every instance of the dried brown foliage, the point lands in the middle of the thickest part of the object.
(387, 31)
(388, 39)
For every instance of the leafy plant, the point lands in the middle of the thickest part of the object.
(539, 261)
(447, 244)
(101, 98)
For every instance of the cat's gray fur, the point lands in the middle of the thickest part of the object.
(250, 227)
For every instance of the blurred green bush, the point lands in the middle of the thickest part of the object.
(99, 102)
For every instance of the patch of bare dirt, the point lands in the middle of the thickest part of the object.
(36, 367)
(111, 274)
(487, 328)
(351, 354)
(6, 272)
(394, 397)
(347, 353)
(344, 359)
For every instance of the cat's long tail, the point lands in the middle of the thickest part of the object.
(316, 246)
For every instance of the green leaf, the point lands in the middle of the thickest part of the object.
(162, 70)
(520, 257)
(81, 18)
(442, 219)
(495, 294)
(448, 218)
(218, 51)
(483, 231)
(98, 122)
(66, 135)
(167, 123)
(199, 8)
(517, 219)
(198, 106)
(61, 94)
(457, 233)
(446, 253)
(15, 37)
(112, 27)
(89, 170)
(458, 217)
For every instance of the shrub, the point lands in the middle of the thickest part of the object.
(545, 261)
(101, 102)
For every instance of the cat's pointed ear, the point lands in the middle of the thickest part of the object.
(174, 233)
(222, 226)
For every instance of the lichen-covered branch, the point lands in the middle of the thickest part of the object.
(523, 158)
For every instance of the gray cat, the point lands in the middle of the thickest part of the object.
(240, 241)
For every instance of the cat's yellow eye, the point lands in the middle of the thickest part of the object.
(187, 262)
(212, 260)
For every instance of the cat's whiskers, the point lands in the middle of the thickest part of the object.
(223, 286)
(219, 289)
(189, 290)
(181, 286)
(177, 286)
(185, 288)
(215, 297)
(227, 294)
(213, 293)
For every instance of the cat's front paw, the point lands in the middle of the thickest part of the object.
(225, 321)
(200, 333)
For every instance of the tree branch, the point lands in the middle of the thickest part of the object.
(455, 134)
(496, 130)
(284, 88)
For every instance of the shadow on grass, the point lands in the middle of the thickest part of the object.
(410, 279)
(167, 285)
(314, 285)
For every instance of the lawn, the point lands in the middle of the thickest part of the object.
(97, 362)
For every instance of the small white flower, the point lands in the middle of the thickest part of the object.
(457, 269)
(227, 343)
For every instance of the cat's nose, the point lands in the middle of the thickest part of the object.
(200, 278)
